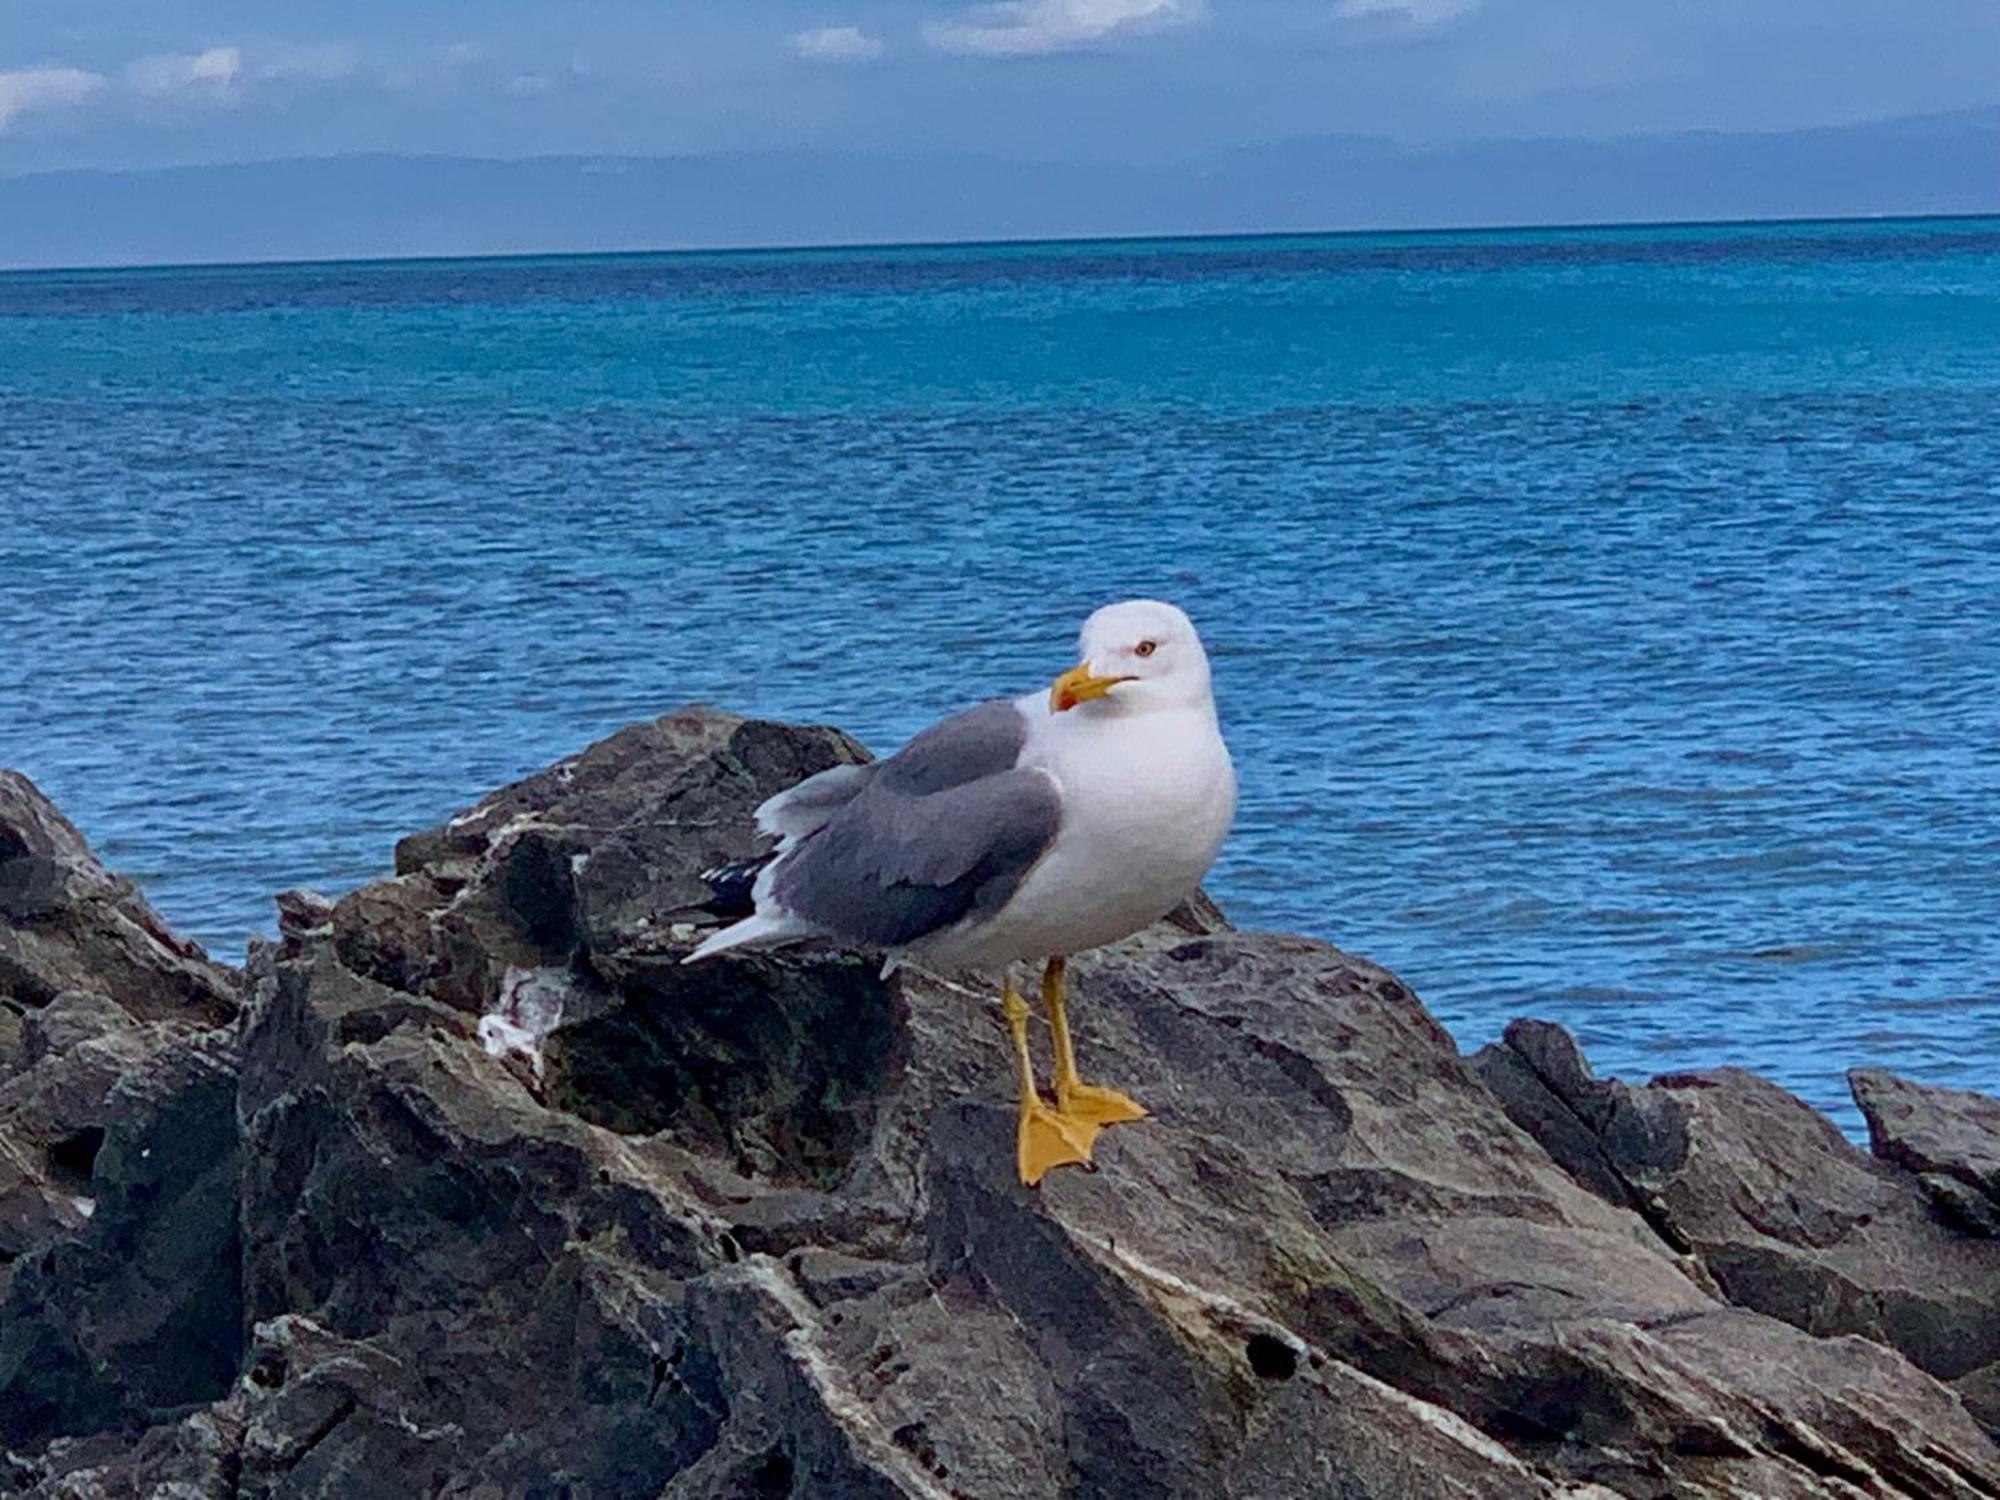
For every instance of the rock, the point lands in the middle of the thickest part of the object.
(1951, 1139)
(302, 916)
(297, 1424)
(383, 931)
(12, 1055)
(403, 1193)
(54, 1111)
(522, 1207)
(95, 995)
(138, 1308)
(1980, 1391)
(71, 1018)
(1781, 1212)
(1964, 1208)
(67, 923)
(599, 854)
(194, 1459)
(1546, 1087)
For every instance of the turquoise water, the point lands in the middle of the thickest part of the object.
(1607, 622)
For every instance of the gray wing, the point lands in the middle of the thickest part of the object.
(800, 810)
(945, 829)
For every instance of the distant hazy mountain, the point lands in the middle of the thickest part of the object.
(392, 205)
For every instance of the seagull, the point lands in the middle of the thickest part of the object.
(1022, 830)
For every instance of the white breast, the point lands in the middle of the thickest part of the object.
(1147, 800)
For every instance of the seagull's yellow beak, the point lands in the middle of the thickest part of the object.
(1078, 685)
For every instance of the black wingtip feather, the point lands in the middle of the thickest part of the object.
(732, 885)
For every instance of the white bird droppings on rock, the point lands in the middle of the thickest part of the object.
(530, 1006)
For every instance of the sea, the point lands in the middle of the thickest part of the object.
(1606, 622)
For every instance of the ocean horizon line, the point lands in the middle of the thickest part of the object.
(1023, 242)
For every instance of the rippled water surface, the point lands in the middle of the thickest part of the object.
(1607, 623)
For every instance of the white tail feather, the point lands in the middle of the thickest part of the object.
(763, 929)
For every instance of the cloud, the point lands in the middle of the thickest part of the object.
(1027, 28)
(184, 74)
(29, 89)
(836, 44)
(1406, 17)
(202, 76)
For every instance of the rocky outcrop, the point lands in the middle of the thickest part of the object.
(118, 1239)
(67, 923)
(1949, 1139)
(484, 1194)
(1783, 1214)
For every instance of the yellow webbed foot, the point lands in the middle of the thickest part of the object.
(1047, 1139)
(1087, 1104)
(1078, 1102)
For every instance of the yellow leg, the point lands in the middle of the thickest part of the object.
(1077, 1101)
(1044, 1138)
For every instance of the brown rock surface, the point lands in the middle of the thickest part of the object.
(1777, 1207)
(117, 1141)
(67, 923)
(1949, 1138)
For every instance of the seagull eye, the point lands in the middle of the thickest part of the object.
(1145, 648)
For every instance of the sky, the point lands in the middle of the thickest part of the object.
(148, 83)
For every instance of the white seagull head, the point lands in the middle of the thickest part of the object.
(1134, 656)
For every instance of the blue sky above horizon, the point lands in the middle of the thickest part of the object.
(140, 83)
